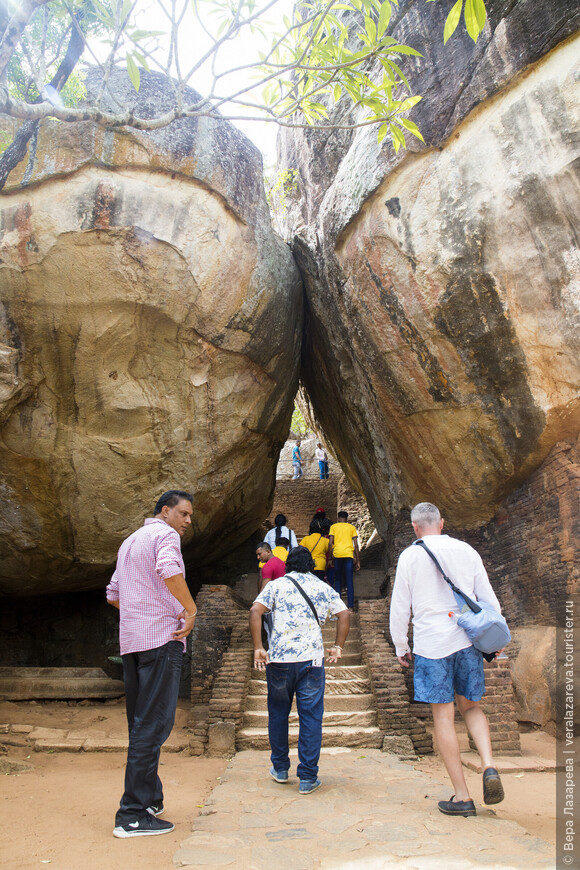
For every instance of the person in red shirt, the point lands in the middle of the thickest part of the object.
(272, 568)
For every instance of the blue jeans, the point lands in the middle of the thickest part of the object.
(297, 466)
(151, 688)
(284, 681)
(344, 564)
(323, 469)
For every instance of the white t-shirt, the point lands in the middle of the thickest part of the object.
(420, 589)
(320, 454)
(285, 532)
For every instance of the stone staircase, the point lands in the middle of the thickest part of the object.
(350, 717)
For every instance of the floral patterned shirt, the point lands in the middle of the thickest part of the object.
(295, 636)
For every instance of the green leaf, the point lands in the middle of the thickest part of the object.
(133, 71)
(408, 104)
(397, 137)
(371, 28)
(383, 130)
(384, 19)
(452, 21)
(405, 49)
(411, 127)
(141, 59)
(337, 93)
(480, 13)
(474, 17)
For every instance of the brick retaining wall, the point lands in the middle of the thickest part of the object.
(387, 678)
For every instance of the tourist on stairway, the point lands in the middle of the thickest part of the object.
(280, 530)
(447, 666)
(317, 546)
(343, 554)
(271, 566)
(297, 461)
(322, 456)
(299, 603)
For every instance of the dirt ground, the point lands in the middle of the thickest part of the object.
(61, 813)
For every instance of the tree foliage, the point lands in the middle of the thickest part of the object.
(330, 63)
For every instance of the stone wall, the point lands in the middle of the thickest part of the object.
(387, 678)
(218, 610)
(298, 499)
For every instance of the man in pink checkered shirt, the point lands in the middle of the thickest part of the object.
(156, 613)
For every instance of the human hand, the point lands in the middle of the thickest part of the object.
(334, 653)
(189, 622)
(261, 659)
(405, 660)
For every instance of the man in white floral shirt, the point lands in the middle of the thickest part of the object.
(295, 661)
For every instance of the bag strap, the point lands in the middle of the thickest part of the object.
(470, 603)
(307, 599)
(311, 551)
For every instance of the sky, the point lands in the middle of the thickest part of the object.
(243, 50)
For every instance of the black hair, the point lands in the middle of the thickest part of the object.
(171, 498)
(279, 521)
(283, 542)
(315, 527)
(343, 514)
(325, 525)
(264, 545)
(299, 559)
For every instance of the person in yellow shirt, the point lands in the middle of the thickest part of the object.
(317, 546)
(343, 551)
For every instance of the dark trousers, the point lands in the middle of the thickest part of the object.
(151, 689)
(285, 681)
(344, 565)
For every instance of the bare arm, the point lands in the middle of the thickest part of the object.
(113, 603)
(356, 554)
(330, 547)
(342, 629)
(260, 654)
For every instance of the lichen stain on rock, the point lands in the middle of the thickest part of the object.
(103, 211)
(472, 316)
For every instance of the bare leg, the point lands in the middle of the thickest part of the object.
(448, 746)
(478, 727)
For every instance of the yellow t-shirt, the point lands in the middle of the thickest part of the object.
(318, 546)
(343, 534)
(281, 552)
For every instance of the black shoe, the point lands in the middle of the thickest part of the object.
(492, 788)
(156, 809)
(457, 808)
(145, 827)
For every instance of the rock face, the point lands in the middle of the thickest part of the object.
(150, 328)
(443, 347)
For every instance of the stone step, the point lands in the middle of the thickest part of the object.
(350, 719)
(368, 737)
(350, 647)
(333, 687)
(30, 684)
(332, 702)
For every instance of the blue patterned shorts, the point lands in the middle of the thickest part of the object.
(437, 680)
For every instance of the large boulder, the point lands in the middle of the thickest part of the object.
(443, 354)
(150, 325)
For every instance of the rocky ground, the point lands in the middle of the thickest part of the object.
(371, 809)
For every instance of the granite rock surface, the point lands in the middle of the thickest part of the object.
(150, 325)
(442, 283)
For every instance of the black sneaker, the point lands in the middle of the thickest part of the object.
(145, 827)
(156, 809)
